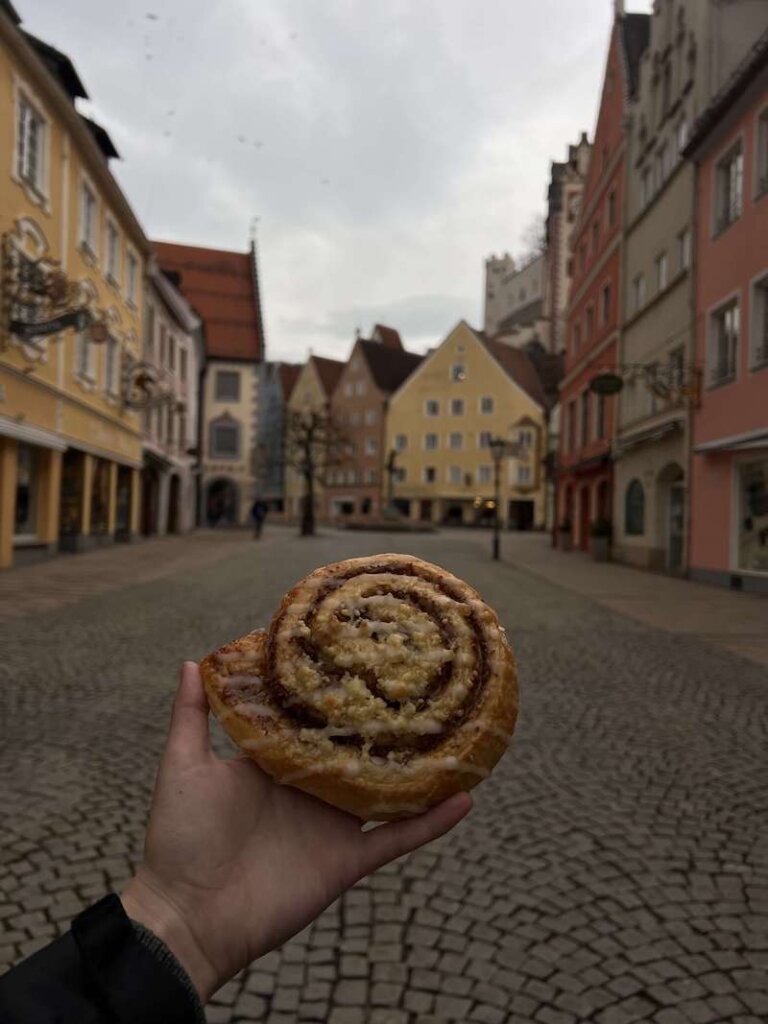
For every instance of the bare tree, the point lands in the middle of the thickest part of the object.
(314, 443)
(534, 238)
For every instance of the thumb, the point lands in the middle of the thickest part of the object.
(189, 738)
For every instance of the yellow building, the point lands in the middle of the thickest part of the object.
(440, 424)
(311, 393)
(73, 257)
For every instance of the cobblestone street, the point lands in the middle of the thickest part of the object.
(615, 867)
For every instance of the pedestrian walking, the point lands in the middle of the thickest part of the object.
(258, 515)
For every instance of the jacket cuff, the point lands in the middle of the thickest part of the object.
(164, 956)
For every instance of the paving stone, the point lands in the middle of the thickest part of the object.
(351, 993)
(385, 993)
(250, 1005)
(418, 1002)
(260, 982)
(452, 1007)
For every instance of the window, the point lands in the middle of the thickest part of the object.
(759, 348)
(571, 426)
(31, 139)
(751, 548)
(595, 236)
(605, 304)
(484, 439)
(634, 509)
(600, 418)
(370, 476)
(638, 292)
(432, 407)
(729, 186)
(684, 249)
(666, 90)
(371, 446)
(354, 419)
(484, 474)
(360, 387)
(349, 388)
(677, 367)
(523, 475)
(761, 177)
(456, 441)
(577, 336)
(27, 477)
(458, 372)
(646, 188)
(171, 425)
(584, 400)
(400, 474)
(429, 474)
(171, 352)
(611, 208)
(227, 386)
(370, 417)
(430, 442)
(401, 442)
(454, 474)
(83, 356)
(162, 352)
(662, 169)
(457, 407)
(582, 256)
(149, 330)
(682, 135)
(112, 365)
(486, 405)
(113, 252)
(724, 344)
(225, 439)
(182, 363)
(88, 217)
(131, 275)
(182, 430)
(589, 323)
(662, 271)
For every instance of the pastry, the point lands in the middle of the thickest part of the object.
(383, 685)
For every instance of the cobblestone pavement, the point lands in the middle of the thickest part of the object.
(615, 868)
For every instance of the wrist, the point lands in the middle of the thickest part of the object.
(146, 903)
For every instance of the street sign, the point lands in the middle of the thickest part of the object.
(77, 318)
(606, 384)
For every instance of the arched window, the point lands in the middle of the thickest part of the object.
(634, 509)
(225, 438)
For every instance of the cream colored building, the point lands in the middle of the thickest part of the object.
(694, 46)
(71, 296)
(467, 391)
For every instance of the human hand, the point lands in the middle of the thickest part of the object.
(235, 864)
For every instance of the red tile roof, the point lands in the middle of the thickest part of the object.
(222, 288)
(518, 366)
(289, 374)
(329, 371)
(389, 366)
(387, 336)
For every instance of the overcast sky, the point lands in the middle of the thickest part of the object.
(386, 147)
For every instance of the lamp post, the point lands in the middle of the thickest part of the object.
(390, 512)
(498, 447)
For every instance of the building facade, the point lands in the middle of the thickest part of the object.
(440, 422)
(729, 463)
(173, 359)
(566, 186)
(692, 48)
(71, 296)
(584, 479)
(222, 287)
(277, 382)
(375, 369)
(311, 393)
(516, 300)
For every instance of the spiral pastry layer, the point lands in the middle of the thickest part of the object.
(382, 686)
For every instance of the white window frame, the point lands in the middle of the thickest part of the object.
(112, 348)
(111, 230)
(758, 318)
(39, 192)
(638, 292)
(524, 475)
(714, 313)
(371, 446)
(451, 437)
(719, 223)
(425, 475)
(481, 434)
(131, 276)
(449, 475)
(25, 100)
(370, 417)
(427, 403)
(84, 369)
(89, 239)
(228, 422)
(684, 249)
(484, 474)
(454, 401)
(760, 175)
(216, 396)
(487, 398)
(661, 266)
(431, 448)
(401, 447)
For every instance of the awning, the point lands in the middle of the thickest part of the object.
(751, 440)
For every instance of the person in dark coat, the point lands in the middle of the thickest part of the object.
(258, 515)
(234, 865)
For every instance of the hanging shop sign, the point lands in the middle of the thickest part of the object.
(606, 384)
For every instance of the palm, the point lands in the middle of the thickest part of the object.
(247, 862)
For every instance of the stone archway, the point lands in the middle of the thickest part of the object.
(670, 516)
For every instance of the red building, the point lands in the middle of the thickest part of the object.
(584, 476)
(729, 463)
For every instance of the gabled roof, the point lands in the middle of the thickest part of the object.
(103, 141)
(635, 35)
(289, 374)
(10, 10)
(387, 336)
(220, 287)
(517, 365)
(59, 65)
(389, 367)
(329, 371)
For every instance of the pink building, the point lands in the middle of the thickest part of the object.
(729, 471)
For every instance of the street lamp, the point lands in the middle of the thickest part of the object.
(390, 512)
(498, 447)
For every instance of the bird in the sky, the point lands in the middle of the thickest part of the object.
(257, 143)
(151, 16)
(241, 138)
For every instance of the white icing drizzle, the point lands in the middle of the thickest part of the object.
(248, 709)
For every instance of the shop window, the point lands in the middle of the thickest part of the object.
(634, 509)
(752, 537)
(25, 522)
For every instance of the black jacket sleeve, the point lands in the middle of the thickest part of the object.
(105, 970)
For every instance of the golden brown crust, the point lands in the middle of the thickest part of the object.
(272, 693)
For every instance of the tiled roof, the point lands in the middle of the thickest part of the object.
(220, 286)
(329, 371)
(101, 135)
(518, 366)
(59, 65)
(636, 32)
(387, 336)
(289, 374)
(389, 366)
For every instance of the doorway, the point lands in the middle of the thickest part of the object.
(123, 509)
(676, 527)
(71, 503)
(150, 500)
(221, 504)
(174, 505)
(521, 515)
(584, 518)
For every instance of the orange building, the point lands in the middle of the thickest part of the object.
(729, 471)
(592, 326)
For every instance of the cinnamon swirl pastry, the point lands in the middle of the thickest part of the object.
(383, 685)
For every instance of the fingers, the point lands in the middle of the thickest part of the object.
(390, 841)
(189, 737)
